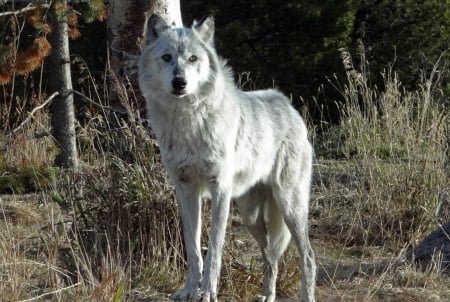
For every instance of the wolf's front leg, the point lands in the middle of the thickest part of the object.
(220, 211)
(189, 201)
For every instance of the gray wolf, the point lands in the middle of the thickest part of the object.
(222, 143)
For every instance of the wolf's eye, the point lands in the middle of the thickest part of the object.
(167, 57)
(193, 58)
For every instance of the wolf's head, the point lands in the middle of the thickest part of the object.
(176, 61)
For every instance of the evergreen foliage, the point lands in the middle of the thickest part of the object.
(19, 56)
(25, 28)
(291, 44)
(411, 34)
(294, 44)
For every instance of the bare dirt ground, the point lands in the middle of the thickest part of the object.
(31, 224)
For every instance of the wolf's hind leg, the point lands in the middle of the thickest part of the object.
(293, 203)
(278, 237)
(291, 189)
(265, 222)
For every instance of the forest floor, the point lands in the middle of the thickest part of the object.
(36, 262)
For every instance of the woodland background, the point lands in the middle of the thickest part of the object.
(371, 78)
(294, 45)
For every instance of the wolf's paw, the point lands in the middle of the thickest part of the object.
(193, 294)
(261, 298)
(205, 296)
(184, 293)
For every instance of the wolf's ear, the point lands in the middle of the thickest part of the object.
(205, 27)
(153, 27)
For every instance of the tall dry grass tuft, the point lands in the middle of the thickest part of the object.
(397, 144)
(126, 217)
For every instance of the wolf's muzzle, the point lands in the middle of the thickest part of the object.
(179, 84)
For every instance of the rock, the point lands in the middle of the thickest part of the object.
(434, 250)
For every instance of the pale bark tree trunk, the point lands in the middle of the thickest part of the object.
(170, 11)
(125, 26)
(62, 109)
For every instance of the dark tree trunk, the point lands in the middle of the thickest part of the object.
(62, 109)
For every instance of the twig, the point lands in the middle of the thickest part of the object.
(30, 115)
(86, 98)
(22, 10)
(51, 293)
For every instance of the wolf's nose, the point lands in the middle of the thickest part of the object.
(179, 83)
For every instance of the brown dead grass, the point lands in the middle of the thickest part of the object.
(112, 232)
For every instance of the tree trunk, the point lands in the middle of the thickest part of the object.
(170, 11)
(62, 109)
(125, 26)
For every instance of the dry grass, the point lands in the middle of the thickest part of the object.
(397, 143)
(387, 191)
(112, 231)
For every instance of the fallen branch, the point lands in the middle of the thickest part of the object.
(51, 293)
(30, 115)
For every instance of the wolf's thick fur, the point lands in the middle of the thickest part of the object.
(223, 143)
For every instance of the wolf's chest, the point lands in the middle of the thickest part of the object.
(191, 155)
